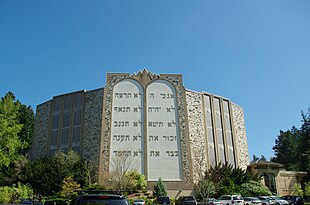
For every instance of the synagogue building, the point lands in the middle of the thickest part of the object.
(161, 128)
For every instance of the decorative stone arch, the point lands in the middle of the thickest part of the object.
(145, 78)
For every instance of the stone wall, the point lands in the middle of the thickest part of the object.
(240, 136)
(91, 139)
(40, 138)
(196, 133)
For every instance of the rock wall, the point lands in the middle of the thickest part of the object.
(240, 136)
(92, 129)
(40, 138)
(196, 134)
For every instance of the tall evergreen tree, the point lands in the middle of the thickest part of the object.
(286, 149)
(26, 118)
(304, 148)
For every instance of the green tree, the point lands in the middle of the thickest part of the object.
(117, 178)
(262, 157)
(228, 179)
(46, 175)
(159, 189)
(205, 188)
(12, 194)
(286, 149)
(253, 188)
(298, 189)
(68, 187)
(16, 129)
(10, 143)
(304, 148)
(255, 158)
(307, 189)
(135, 181)
(26, 118)
(292, 147)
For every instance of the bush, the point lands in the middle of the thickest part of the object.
(15, 193)
(254, 188)
(5, 194)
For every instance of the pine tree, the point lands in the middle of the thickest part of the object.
(286, 149)
(159, 189)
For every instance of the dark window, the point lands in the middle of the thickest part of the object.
(270, 182)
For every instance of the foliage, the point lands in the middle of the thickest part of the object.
(254, 188)
(228, 179)
(298, 189)
(205, 188)
(131, 181)
(307, 189)
(47, 174)
(95, 186)
(122, 177)
(136, 181)
(255, 158)
(26, 118)
(286, 147)
(15, 193)
(292, 148)
(16, 129)
(10, 143)
(68, 186)
(5, 194)
(305, 143)
(159, 189)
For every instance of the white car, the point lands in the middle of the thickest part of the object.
(279, 201)
(139, 202)
(252, 201)
(231, 200)
(266, 200)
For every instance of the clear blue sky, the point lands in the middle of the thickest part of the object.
(256, 53)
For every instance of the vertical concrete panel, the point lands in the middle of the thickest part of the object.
(39, 146)
(91, 138)
(240, 136)
(196, 134)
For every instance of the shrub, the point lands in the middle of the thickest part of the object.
(254, 188)
(15, 193)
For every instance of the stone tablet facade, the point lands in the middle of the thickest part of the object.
(162, 129)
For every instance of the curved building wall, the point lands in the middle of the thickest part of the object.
(216, 132)
(151, 121)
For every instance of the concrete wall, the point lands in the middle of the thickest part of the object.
(223, 132)
(39, 146)
(91, 137)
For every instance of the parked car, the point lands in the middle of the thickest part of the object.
(213, 201)
(278, 200)
(252, 201)
(231, 200)
(294, 200)
(99, 198)
(186, 200)
(266, 200)
(139, 202)
(162, 200)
